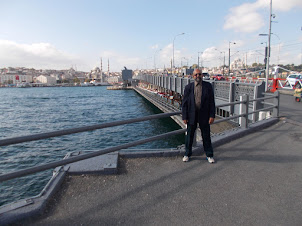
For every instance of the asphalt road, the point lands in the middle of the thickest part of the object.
(290, 108)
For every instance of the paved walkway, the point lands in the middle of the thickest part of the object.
(257, 180)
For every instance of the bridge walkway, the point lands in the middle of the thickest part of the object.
(256, 181)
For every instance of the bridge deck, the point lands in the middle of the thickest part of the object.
(256, 181)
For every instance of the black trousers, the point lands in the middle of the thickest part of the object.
(206, 138)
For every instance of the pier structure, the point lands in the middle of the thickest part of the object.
(172, 88)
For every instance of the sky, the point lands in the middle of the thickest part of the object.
(139, 34)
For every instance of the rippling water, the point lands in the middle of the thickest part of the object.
(35, 110)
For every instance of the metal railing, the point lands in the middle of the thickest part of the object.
(243, 118)
(226, 90)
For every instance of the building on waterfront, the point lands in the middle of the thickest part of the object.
(15, 79)
(114, 79)
(97, 75)
(56, 76)
(46, 80)
(127, 74)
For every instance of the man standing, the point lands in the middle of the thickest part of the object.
(198, 106)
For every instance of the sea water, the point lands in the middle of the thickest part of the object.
(27, 111)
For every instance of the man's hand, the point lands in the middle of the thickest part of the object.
(211, 120)
(185, 121)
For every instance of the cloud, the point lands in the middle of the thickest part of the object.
(166, 56)
(209, 53)
(247, 18)
(37, 55)
(244, 18)
(280, 5)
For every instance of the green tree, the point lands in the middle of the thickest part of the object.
(76, 80)
(65, 81)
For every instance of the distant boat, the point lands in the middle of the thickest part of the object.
(23, 85)
(86, 84)
(95, 83)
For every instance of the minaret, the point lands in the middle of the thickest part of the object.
(101, 71)
(108, 68)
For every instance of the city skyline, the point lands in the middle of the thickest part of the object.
(140, 34)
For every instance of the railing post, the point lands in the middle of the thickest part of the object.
(255, 96)
(276, 103)
(258, 93)
(244, 109)
(232, 97)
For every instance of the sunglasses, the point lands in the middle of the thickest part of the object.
(197, 74)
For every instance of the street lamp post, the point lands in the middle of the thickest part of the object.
(223, 59)
(147, 62)
(154, 58)
(269, 46)
(184, 62)
(173, 65)
(230, 56)
(265, 52)
(198, 59)
(223, 62)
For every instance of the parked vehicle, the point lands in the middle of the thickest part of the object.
(206, 76)
(293, 79)
(218, 77)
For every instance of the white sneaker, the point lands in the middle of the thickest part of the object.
(210, 159)
(185, 159)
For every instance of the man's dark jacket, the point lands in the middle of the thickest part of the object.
(207, 106)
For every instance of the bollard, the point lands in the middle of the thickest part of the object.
(276, 103)
(244, 109)
(275, 85)
(232, 97)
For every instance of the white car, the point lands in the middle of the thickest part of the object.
(293, 78)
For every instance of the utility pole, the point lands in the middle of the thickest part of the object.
(154, 58)
(173, 65)
(230, 55)
(198, 58)
(223, 63)
(246, 60)
(269, 47)
(223, 59)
